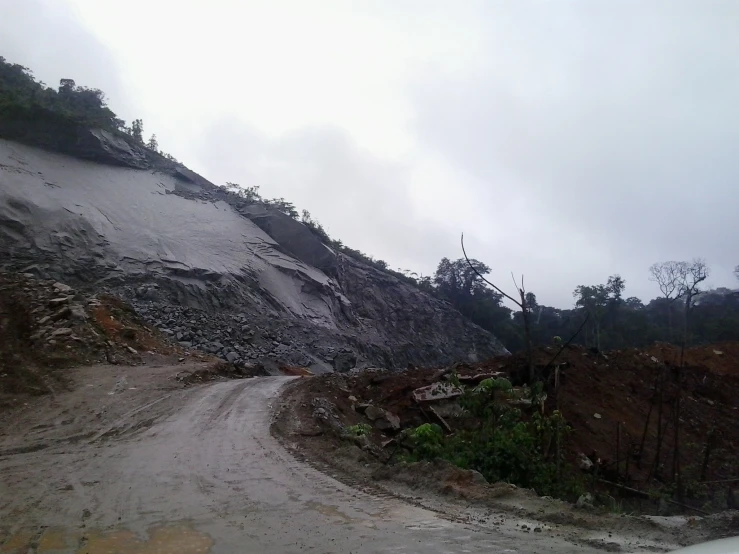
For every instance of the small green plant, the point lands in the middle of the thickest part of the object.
(428, 441)
(490, 385)
(502, 443)
(359, 430)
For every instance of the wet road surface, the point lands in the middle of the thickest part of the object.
(197, 471)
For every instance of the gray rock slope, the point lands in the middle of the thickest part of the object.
(236, 279)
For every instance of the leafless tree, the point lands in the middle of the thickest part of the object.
(691, 275)
(676, 280)
(667, 276)
(524, 303)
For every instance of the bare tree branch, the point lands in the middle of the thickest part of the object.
(516, 302)
(565, 345)
(515, 284)
(525, 312)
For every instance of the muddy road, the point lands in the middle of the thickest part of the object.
(132, 463)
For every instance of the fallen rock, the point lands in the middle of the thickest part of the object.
(436, 391)
(388, 422)
(61, 332)
(585, 501)
(78, 313)
(382, 419)
(345, 361)
(324, 411)
(366, 444)
(584, 463)
(62, 313)
(373, 412)
(476, 379)
(61, 287)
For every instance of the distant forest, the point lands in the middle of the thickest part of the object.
(29, 108)
(614, 321)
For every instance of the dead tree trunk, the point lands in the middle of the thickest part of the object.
(655, 468)
(646, 425)
(707, 453)
(676, 477)
(526, 313)
(618, 450)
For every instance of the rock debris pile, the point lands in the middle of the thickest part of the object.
(46, 325)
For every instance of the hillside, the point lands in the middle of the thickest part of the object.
(218, 273)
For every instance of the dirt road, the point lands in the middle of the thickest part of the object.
(113, 467)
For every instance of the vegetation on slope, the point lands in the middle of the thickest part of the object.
(34, 113)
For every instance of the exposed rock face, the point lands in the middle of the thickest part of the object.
(249, 282)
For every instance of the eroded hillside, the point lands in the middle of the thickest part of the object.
(215, 272)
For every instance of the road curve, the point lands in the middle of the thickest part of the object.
(197, 471)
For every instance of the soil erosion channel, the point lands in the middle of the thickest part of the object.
(119, 465)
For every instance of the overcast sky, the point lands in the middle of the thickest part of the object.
(569, 140)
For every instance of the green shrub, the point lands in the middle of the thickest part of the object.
(503, 444)
(358, 430)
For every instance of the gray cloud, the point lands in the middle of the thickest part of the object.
(617, 124)
(46, 37)
(569, 140)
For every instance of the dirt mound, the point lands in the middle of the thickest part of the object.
(46, 326)
(612, 400)
(721, 358)
(621, 405)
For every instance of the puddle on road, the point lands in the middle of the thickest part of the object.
(17, 543)
(329, 510)
(176, 539)
(332, 511)
(55, 540)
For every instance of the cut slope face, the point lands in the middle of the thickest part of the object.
(100, 222)
(163, 235)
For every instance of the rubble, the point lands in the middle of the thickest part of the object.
(382, 419)
(41, 333)
(436, 391)
(240, 338)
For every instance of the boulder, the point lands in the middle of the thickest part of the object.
(344, 361)
(584, 463)
(585, 501)
(389, 422)
(382, 419)
(78, 313)
(61, 287)
(372, 412)
(436, 391)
